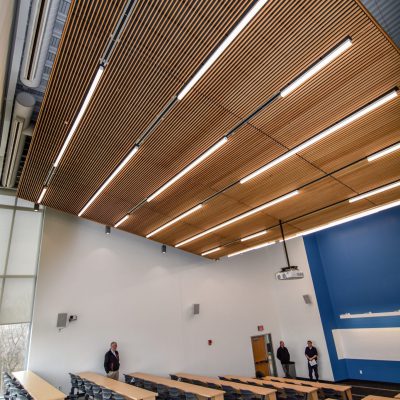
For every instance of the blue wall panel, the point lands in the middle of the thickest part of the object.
(355, 269)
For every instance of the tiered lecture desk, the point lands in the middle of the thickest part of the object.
(397, 396)
(268, 394)
(124, 389)
(37, 387)
(372, 397)
(345, 390)
(311, 392)
(200, 391)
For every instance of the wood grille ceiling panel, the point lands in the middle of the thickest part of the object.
(161, 47)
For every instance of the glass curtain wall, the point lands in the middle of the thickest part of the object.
(20, 238)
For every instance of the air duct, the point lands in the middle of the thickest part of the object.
(20, 129)
(41, 21)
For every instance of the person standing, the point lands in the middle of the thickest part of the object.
(312, 356)
(111, 362)
(284, 357)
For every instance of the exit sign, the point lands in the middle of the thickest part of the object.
(260, 328)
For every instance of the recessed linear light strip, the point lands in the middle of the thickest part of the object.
(80, 115)
(185, 214)
(193, 164)
(317, 66)
(337, 222)
(384, 152)
(211, 251)
(44, 190)
(239, 217)
(109, 179)
(253, 236)
(345, 121)
(375, 191)
(244, 21)
(121, 221)
(259, 246)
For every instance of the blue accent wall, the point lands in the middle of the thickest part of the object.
(355, 268)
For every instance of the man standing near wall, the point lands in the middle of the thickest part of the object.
(312, 356)
(111, 362)
(284, 357)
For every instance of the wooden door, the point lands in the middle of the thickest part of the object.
(260, 355)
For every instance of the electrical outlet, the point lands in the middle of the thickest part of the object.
(361, 372)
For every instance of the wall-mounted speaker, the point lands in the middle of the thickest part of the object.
(196, 309)
(62, 320)
(307, 298)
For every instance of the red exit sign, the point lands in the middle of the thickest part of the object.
(260, 328)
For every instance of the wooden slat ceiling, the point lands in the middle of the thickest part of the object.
(162, 46)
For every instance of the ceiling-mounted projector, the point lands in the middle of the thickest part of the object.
(289, 273)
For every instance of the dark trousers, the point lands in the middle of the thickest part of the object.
(312, 368)
(285, 368)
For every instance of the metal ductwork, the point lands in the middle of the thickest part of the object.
(20, 129)
(41, 21)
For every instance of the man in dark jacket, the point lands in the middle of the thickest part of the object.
(312, 356)
(111, 362)
(284, 357)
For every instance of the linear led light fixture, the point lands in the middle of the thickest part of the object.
(44, 190)
(323, 62)
(122, 220)
(345, 121)
(80, 115)
(109, 179)
(384, 152)
(340, 221)
(188, 168)
(239, 217)
(254, 235)
(222, 47)
(185, 214)
(259, 246)
(375, 191)
(371, 315)
(211, 251)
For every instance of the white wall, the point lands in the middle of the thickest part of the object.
(123, 288)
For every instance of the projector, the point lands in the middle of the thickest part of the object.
(289, 273)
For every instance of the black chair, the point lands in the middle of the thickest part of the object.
(162, 391)
(230, 393)
(332, 394)
(190, 396)
(128, 379)
(223, 378)
(249, 395)
(117, 396)
(198, 383)
(186, 380)
(176, 394)
(268, 386)
(149, 386)
(138, 382)
(174, 377)
(294, 395)
(212, 385)
(236, 380)
(106, 394)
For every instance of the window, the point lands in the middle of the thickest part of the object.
(20, 236)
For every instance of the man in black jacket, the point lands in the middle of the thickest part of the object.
(312, 356)
(284, 357)
(111, 362)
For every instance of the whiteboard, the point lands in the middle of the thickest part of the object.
(368, 343)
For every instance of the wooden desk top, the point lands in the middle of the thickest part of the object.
(319, 385)
(187, 387)
(255, 389)
(298, 388)
(397, 396)
(126, 390)
(37, 387)
(372, 397)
